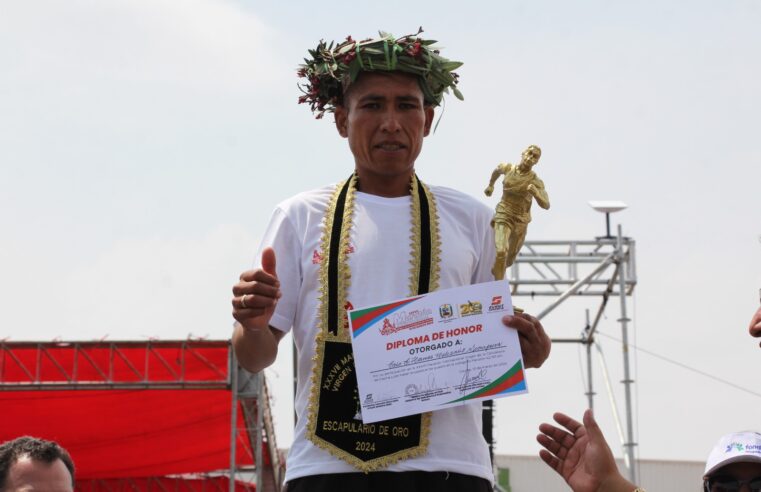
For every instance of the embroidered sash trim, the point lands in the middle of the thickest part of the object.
(335, 414)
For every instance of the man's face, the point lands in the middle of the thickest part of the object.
(723, 479)
(385, 120)
(28, 475)
(529, 158)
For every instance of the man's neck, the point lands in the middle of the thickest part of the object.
(385, 186)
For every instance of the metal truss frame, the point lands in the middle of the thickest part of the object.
(586, 268)
(602, 268)
(253, 395)
(100, 359)
(111, 365)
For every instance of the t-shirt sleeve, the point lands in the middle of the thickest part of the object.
(281, 236)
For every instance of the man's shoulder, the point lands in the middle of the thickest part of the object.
(449, 197)
(305, 201)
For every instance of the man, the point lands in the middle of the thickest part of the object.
(28, 464)
(580, 454)
(381, 234)
(520, 186)
(734, 464)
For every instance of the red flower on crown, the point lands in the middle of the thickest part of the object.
(414, 49)
(349, 57)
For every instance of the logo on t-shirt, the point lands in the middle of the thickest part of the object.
(317, 255)
(347, 307)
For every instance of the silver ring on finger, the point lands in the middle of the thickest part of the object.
(243, 302)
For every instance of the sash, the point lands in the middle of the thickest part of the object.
(335, 414)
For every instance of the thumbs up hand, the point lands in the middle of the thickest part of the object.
(256, 295)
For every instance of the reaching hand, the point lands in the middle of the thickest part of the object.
(256, 295)
(582, 457)
(489, 190)
(535, 344)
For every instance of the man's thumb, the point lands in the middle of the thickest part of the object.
(268, 261)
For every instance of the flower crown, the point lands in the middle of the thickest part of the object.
(331, 70)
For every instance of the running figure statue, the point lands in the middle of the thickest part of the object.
(519, 186)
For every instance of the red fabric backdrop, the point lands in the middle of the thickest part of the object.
(124, 433)
(128, 433)
(162, 484)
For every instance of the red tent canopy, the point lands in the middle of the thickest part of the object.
(125, 410)
(161, 484)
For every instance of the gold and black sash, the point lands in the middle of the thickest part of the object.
(335, 414)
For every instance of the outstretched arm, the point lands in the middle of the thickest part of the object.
(498, 171)
(580, 454)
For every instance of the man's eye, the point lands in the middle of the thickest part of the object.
(371, 105)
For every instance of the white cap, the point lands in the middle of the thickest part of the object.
(733, 448)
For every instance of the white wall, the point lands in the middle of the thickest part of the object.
(530, 474)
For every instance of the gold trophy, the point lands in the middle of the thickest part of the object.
(520, 186)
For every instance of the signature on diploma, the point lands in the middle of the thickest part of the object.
(469, 379)
(483, 348)
(426, 387)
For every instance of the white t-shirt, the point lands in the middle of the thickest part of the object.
(379, 261)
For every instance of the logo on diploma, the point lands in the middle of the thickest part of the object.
(446, 311)
(471, 308)
(496, 304)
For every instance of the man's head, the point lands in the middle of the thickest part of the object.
(382, 92)
(734, 464)
(331, 69)
(28, 464)
(385, 118)
(530, 156)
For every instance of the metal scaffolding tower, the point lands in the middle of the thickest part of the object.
(253, 395)
(602, 268)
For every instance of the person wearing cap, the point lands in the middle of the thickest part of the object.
(581, 455)
(380, 234)
(734, 464)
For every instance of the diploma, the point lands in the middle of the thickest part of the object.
(435, 351)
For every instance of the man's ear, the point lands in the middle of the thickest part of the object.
(428, 119)
(341, 115)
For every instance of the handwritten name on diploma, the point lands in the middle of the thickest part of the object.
(430, 352)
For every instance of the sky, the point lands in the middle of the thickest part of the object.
(144, 144)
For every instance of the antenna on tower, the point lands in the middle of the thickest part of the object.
(607, 207)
